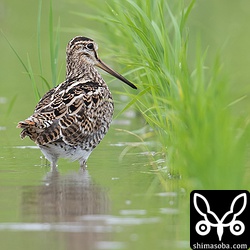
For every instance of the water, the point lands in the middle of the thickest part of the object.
(106, 206)
(118, 202)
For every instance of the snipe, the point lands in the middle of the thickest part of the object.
(71, 119)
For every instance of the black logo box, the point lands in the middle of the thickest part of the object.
(220, 202)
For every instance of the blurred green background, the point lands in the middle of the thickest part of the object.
(222, 28)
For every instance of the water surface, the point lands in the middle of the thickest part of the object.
(106, 206)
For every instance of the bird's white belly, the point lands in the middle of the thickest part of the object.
(60, 150)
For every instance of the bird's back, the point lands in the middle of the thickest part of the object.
(76, 113)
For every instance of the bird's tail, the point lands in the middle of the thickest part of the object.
(28, 128)
(25, 124)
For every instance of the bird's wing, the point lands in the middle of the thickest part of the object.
(67, 113)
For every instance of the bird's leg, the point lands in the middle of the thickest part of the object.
(83, 164)
(53, 166)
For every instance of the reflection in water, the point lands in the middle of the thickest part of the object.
(64, 198)
(76, 214)
(61, 202)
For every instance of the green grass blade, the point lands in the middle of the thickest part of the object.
(34, 85)
(17, 55)
(11, 105)
(39, 36)
(186, 105)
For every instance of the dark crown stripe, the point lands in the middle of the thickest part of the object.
(79, 39)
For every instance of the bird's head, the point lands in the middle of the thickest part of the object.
(83, 50)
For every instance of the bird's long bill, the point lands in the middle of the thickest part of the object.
(106, 68)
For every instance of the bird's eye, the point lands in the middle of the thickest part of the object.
(90, 46)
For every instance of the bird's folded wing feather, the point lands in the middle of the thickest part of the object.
(65, 113)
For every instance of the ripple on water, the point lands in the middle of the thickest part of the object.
(110, 245)
(59, 227)
(3, 100)
(26, 147)
(133, 212)
(117, 220)
(87, 223)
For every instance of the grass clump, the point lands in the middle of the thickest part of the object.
(188, 108)
(54, 49)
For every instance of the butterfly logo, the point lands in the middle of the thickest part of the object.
(210, 219)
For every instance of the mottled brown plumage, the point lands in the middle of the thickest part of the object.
(71, 119)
